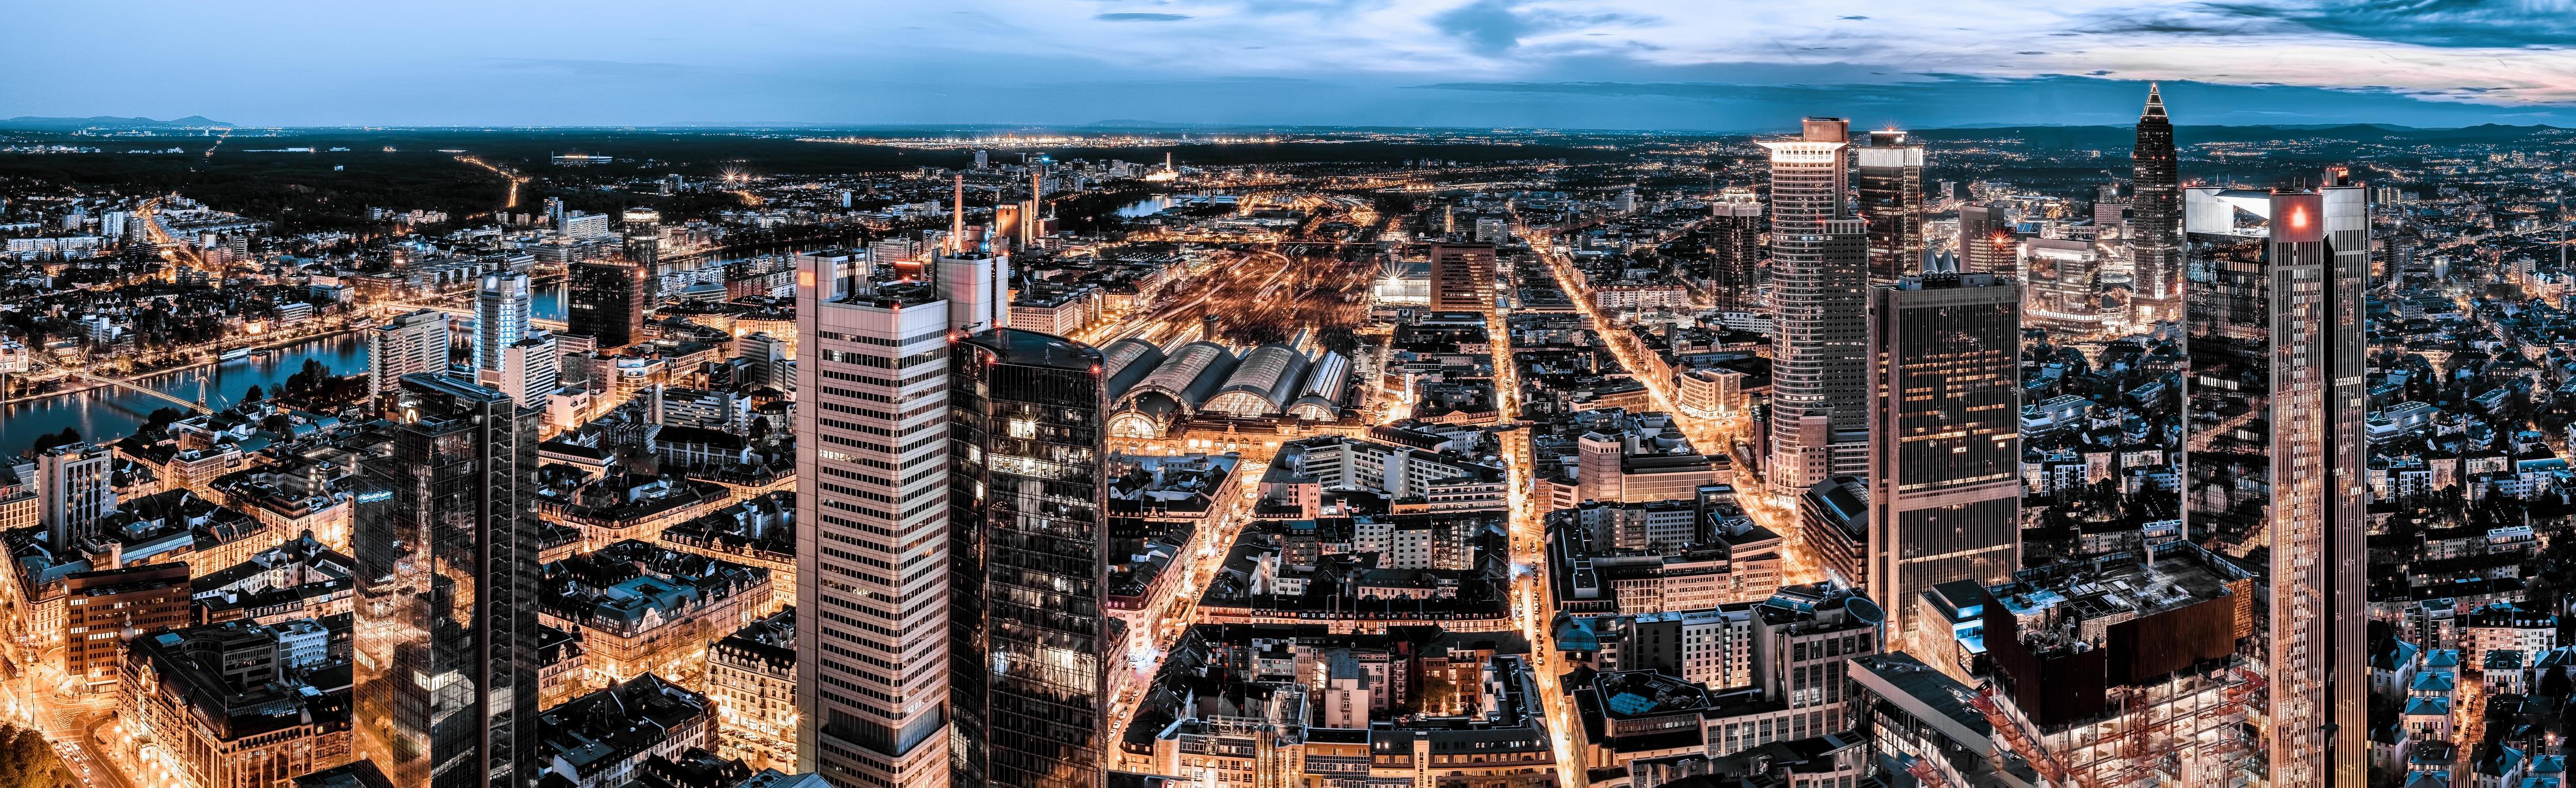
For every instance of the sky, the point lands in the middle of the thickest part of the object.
(1719, 65)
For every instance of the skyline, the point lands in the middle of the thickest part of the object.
(1506, 63)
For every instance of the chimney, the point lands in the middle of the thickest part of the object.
(957, 218)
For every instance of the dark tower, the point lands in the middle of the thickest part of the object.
(608, 302)
(1029, 635)
(1890, 181)
(2155, 214)
(446, 642)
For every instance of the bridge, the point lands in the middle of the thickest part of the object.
(198, 407)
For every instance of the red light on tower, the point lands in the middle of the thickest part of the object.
(2299, 218)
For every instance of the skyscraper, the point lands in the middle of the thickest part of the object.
(1890, 180)
(446, 645)
(1944, 436)
(501, 305)
(1734, 249)
(608, 302)
(2155, 214)
(1462, 277)
(2273, 448)
(1986, 241)
(643, 237)
(872, 571)
(412, 342)
(1030, 640)
(1820, 257)
(77, 485)
(555, 214)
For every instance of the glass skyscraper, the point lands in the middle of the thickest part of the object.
(2274, 446)
(445, 640)
(2155, 212)
(1028, 630)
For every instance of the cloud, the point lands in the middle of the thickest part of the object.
(2533, 24)
(1139, 17)
(1489, 26)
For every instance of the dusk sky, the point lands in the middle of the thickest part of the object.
(1710, 64)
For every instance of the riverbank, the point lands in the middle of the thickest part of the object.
(137, 379)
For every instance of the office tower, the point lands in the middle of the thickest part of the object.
(872, 571)
(1944, 437)
(104, 609)
(77, 483)
(500, 317)
(608, 302)
(1029, 639)
(555, 213)
(1029, 224)
(528, 371)
(982, 159)
(1986, 241)
(2273, 447)
(446, 537)
(411, 342)
(1462, 277)
(1890, 180)
(1819, 267)
(1735, 227)
(2111, 212)
(2155, 215)
(1625, 201)
(643, 237)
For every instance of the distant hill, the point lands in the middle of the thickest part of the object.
(35, 123)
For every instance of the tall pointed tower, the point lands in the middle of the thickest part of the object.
(2156, 245)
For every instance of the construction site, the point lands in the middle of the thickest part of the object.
(2128, 670)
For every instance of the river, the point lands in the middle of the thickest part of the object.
(1148, 206)
(109, 413)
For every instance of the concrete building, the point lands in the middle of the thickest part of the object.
(1819, 371)
(411, 342)
(76, 485)
(1462, 277)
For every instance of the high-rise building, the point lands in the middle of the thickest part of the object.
(501, 304)
(412, 342)
(1986, 241)
(1735, 228)
(1462, 277)
(872, 569)
(2155, 214)
(1944, 436)
(77, 485)
(1030, 639)
(609, 301)
(446, 537)
(2274, 446)
(1890, 180)
(1819, 268)
(528, 371)
(643, 237)
(555, 213)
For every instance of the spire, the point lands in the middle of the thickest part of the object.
(2155, 102)
(957, 218)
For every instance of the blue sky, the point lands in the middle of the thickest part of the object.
(1704, 64)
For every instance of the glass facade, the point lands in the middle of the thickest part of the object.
(1028, 563)
(2274, 296)
(446, 619)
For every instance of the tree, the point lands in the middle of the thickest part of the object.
(26, 761)
(2554, 684)
(67, 437)
(254, 394)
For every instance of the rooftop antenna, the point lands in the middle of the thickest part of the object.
(957, 217)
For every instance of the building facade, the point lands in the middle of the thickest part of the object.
(609, 302)
(1889, 177)
(2155, 213)
(447, 539)
(1944, 436)
(1819, 269)
(1030, 636)
(2275, 447)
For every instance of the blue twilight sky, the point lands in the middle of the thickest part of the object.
(1649, 64)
